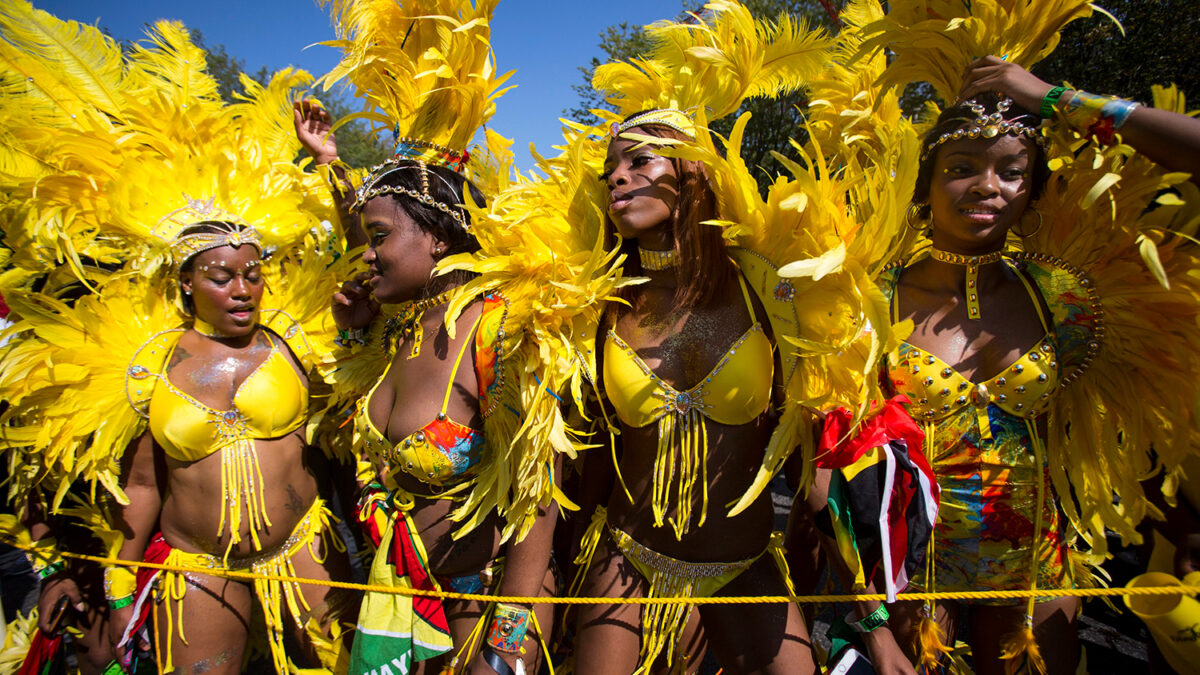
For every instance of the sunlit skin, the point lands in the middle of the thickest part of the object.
(183, 499)
(681, 347)
(400, 255)
(226, 287)
(980, 190)
(400, 259)
(643, 189)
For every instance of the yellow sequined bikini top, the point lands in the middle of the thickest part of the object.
(736, 391)
(935, 390)
(271, 402)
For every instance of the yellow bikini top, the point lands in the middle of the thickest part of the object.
(271, 402)
(936, 390)
(443, 451)
(736, 391)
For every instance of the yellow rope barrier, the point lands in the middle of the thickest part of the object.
(727, 600)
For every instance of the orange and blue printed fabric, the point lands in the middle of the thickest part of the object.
(883, 497)
(983, 440)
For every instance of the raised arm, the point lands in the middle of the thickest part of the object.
(314, 129)
(1168, 138)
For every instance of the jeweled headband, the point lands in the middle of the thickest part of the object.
(667, 117)
(989, 126)
(371, 188)
(431, 153)
(231, 230)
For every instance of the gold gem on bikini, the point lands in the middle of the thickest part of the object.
(971, 281)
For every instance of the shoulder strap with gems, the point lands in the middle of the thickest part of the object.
(146, 365)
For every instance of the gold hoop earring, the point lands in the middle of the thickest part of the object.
(912, 217)
(1035, 230)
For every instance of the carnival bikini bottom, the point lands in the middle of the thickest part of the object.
(269, 587)
(663, 624)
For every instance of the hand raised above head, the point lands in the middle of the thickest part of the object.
(314, 130)
(992, 73)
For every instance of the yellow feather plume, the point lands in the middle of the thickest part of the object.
(72, 71)
(715, 61)
(98, 184)
(64, 376)
(935, 40)
(542, 248)
(424, 67)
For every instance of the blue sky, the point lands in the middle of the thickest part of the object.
(544, 41)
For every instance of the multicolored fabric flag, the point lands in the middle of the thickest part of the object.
(883, 496)
(395, 631)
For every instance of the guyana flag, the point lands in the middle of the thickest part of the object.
(395, 631)
(883, 496)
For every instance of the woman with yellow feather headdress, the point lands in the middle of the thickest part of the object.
(1029, 367)
(166, 389)
(457, 342)
(703, 400)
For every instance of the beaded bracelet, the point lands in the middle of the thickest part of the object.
(1098, 116)
(1050, 100)
(348, 336)
(44, 572)
(44, 558)
(869, 622)
(509, 626)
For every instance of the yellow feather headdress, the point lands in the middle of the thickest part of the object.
(935, 40)
(425, 69)
(715, 61)
(122, 151)
(109, 164)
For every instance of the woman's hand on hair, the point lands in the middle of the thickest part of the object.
(991, 73)
(353, 306)
(314, 130)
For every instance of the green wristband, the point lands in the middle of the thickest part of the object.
(50, 570)
(1050, 100)
(120, 603)
(869, 622)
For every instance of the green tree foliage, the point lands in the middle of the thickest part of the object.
(773, 123)
(226, 69)
(1155, 49)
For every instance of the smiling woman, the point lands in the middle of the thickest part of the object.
(978, 370)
